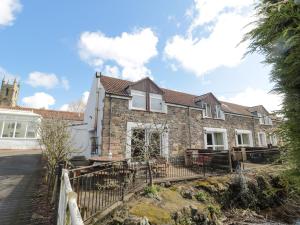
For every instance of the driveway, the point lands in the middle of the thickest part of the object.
(19, 172)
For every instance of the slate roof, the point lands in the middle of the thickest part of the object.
(50, 114)
(118, 87)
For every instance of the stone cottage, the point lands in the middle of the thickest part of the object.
(117, 109)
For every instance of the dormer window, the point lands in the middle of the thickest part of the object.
(138, 100)
(156, 103)
(207, 110)
(264, 119)
(219, 113)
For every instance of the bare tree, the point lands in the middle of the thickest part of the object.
(55, 141)
(77, 106)
(147, 143)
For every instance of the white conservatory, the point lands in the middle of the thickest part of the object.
(18, 129)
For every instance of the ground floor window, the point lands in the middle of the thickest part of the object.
(18, 129)
(146, 140)
(244, 138)
(262, 140)
(145, 143)
(273, 139)
(215, 138)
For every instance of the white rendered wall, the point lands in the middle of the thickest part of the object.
(96, 92)
(13, 143)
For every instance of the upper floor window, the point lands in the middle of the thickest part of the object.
(264, 119)
(156, 103)
(219, 112)
(207, 110)
(138, 100)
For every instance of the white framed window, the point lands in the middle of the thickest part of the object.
(261, 119)
(31, 131)
(138, 100)
(264, 119)
(267, 120)
(243, 138)
(262, 139)
(273, 139)
(146, 135)
(219, 112)
(18, 129)
(156, 103)
(215, 138)
(8, 129)
(207, 110)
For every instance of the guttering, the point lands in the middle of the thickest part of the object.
(118, 96)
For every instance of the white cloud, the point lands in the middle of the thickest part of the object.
(131, 51)
(253, 97)
(46, 80)
(112, 71)
(8, 10)
(39, 100)
(85, 96)
(64, 107)
(223, 26)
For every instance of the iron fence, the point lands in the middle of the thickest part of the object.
(99, 187)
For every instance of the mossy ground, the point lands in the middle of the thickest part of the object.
(171, 201)
(207, 195)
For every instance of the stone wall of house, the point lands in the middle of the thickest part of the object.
(178, 120)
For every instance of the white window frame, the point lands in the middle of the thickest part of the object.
(139, 93)
(261, 119)
(249, 132)
(164, 138)
(216, 130)
(265, 139)
(219, 110)
(205, 110)
(16, 120)
(156, 96)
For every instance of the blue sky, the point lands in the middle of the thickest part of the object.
(55, 47)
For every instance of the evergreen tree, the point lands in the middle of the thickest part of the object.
(277, 36)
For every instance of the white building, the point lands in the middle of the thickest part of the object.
(18, 127)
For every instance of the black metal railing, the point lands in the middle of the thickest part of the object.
(99, 187)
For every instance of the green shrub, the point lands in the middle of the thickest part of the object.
(201, 196)
(213, 209)
(151, 190)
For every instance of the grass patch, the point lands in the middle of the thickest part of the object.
(155, 214)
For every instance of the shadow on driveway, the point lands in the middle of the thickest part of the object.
(19, 174)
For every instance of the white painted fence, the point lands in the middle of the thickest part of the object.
(68, 212)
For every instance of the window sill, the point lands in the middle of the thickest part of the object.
(138, 109)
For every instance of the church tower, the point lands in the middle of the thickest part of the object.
(9, 93)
